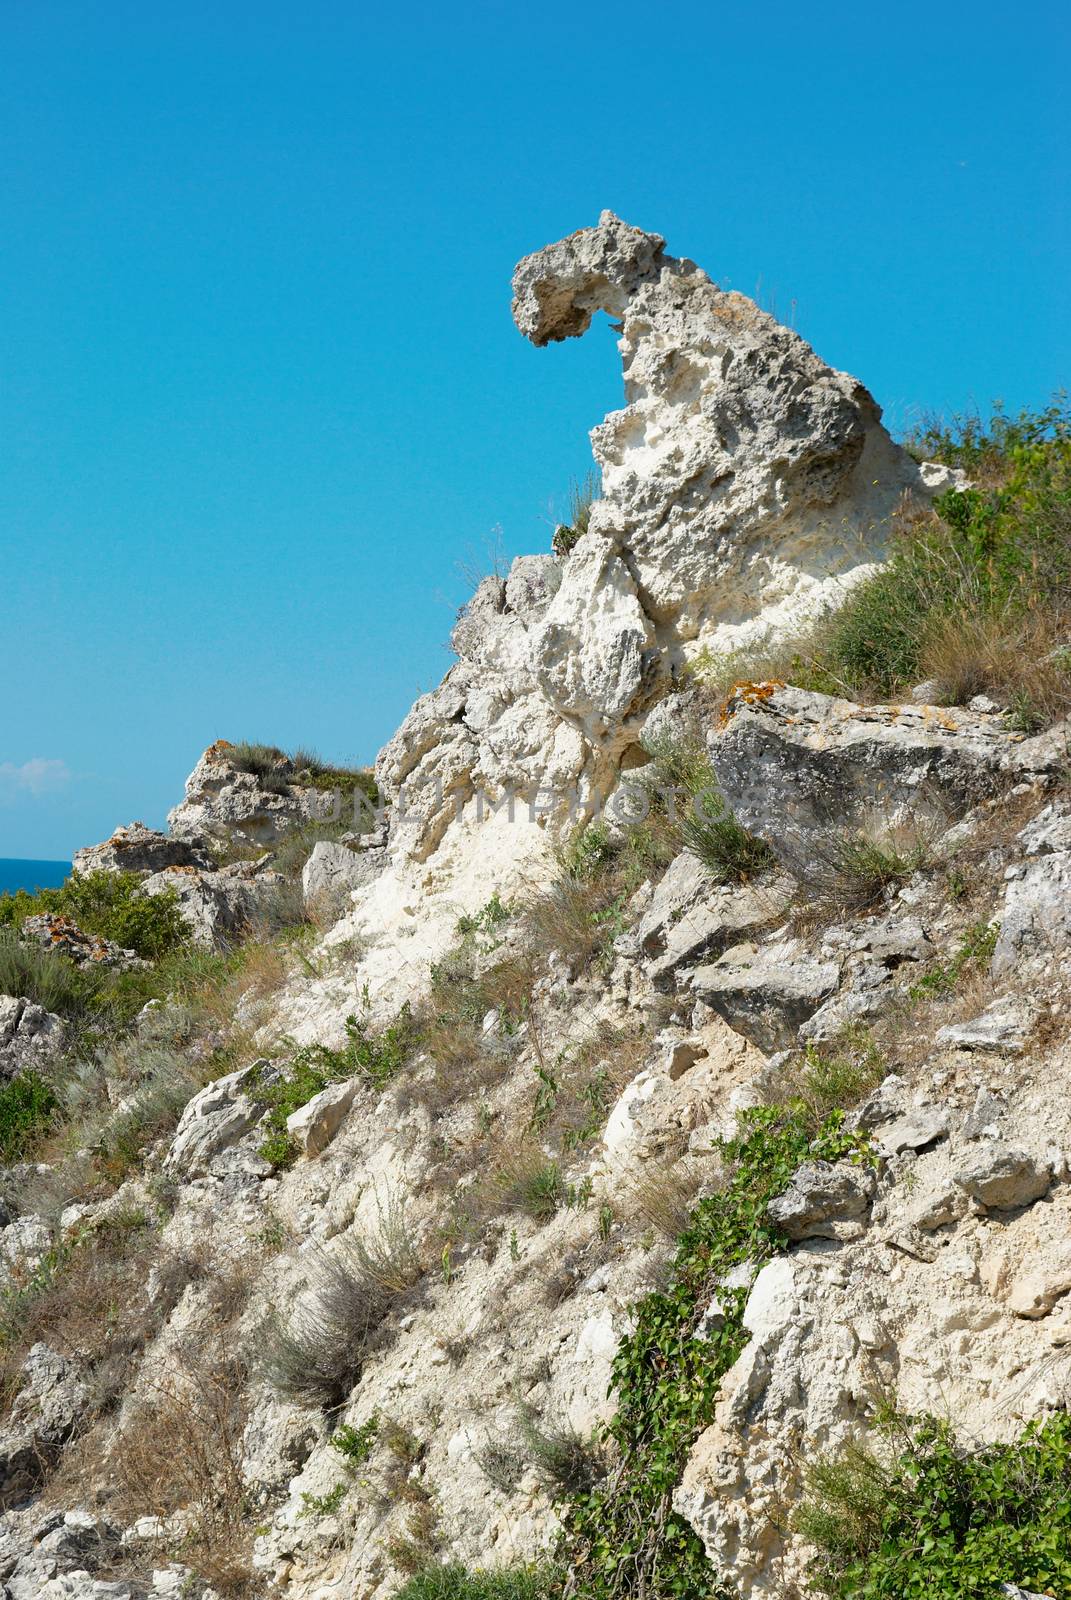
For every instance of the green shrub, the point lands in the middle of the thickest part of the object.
(27, 1109)
(355, 1445)
(110, 905)
(622, 1538)
(683, 788)
(452, 1581)
(940, 1522)
(375, 1057)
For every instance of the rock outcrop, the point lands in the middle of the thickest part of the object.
(352, 1247)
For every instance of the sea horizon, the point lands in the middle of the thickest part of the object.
(19, 872)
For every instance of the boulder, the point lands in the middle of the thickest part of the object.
(766, 994)
(51, 1400)
(212, 1121)
(31, 1038)
(1003, 1026)
(137, 848)
(915, 1131)
(1002, 1178)
(315, 1123)
(220, 904)
(823, 1201)
(800, 769)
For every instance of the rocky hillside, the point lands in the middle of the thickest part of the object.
(620, 1148)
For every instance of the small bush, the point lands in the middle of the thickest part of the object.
(582, 497)
(180, 1450)
(355, 1445)
(110, 905)
(663, 1197)
(567, 1464)
(942, 1521)
(828, 1078)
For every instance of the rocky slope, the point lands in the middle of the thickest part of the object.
(437, 1089)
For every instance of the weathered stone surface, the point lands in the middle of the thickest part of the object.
(740, 457)
(1036, 919)
(822, 1198)
(1003, 1026)
(1034, 1293)
(720, 917)
(766, 994)
(31, 1038)
(799, 768)
(315, 1124)
(1049, 833)
(334, 870)
(137, 848)
(1004, 1178)
(915, 1131)
(43, 1413)
(219, 904)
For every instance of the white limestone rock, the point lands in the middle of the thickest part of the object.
(31, 1038)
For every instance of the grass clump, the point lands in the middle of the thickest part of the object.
(622, 1538)
(940, 1521)
(684, 792)
(51, 980)
(831, 1077)
(582, 497)
(451, 1581)
(316, 1357)
(278, 771)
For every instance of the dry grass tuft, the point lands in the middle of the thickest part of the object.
(180, 1452)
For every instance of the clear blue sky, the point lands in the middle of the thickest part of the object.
(259, 387)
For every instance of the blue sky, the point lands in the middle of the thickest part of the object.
(260, 393)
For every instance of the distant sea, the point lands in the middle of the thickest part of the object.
(16, 874)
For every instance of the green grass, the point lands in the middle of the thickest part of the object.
(27, 1109)
(940, 1522)
(279, 770)
(109, 905)
(451, 1581)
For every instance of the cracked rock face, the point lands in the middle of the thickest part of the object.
(743, 484)
(743, 475)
